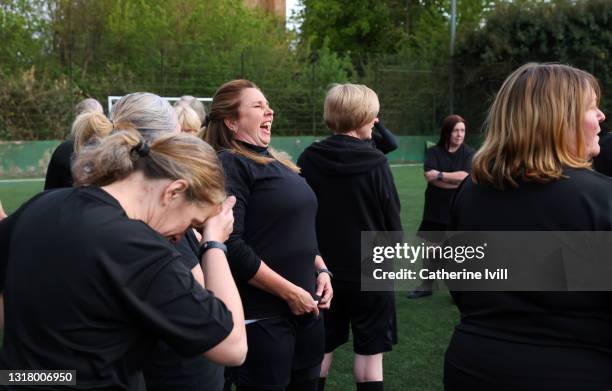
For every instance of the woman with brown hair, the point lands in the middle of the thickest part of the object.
(533, 173)
(446, 165)
(101, 284)
(273, 249)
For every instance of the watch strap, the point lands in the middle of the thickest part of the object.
(211, 244)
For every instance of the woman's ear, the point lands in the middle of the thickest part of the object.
(173, 190)
(232, 124)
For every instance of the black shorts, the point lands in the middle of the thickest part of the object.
(281, 349)
(371, 316)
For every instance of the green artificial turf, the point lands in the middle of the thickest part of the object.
(424, 325)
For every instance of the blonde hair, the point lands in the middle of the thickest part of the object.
(349, 107)
(535, 126)
(226, 104)
(187, 119)
(88, 104)
(194, 104)
(168, 156)
(142, 111)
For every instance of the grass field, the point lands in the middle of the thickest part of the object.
(425, 325)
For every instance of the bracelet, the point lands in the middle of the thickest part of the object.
(331, 275)
(440, 175)
(211, 244)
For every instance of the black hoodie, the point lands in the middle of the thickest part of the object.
(356, 192)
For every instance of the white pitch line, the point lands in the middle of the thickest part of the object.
(406, 165)
(22, 180)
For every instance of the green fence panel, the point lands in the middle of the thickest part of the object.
(22, 159)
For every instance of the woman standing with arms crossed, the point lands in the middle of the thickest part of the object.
(533, 173)
(446, 166)
(273, 249)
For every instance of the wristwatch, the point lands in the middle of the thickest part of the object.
(323, 270)
(440, 175)
(211, 244)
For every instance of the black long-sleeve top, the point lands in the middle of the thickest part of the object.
(274, 221)
(59, 172)
(383, 139)
(356, 192)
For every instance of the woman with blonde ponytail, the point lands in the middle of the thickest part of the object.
(273, 254)
(102, 283)
(90, 121)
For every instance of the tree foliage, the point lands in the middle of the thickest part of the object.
(578, 33)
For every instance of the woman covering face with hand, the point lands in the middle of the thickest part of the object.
(102, 284)
(273, 248)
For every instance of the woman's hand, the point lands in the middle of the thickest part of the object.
(324, 290)
(220, 226)
(431, 175)
(301, 302)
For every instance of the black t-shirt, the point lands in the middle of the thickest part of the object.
(274, 221)
(87, 288)
(59, 172)
(438, 200)
(603, 162)
(582, 202)
(355, 191)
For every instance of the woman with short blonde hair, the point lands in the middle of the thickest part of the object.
(355, 190)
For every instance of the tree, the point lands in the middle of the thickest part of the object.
(578, 33)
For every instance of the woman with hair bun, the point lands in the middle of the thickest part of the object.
(168, 181)
(101, 284)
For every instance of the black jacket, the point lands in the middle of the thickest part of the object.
(356, 192)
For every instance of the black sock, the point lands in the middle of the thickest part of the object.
(321, 384)
(370, 386)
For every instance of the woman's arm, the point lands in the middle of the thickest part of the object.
(383, 139)
(324, 286)
(218, 279)
(450, 180)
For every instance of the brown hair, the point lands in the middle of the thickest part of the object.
(349, 106)
(535, 126)
(226, 104)
(447, 129)
(168, 156)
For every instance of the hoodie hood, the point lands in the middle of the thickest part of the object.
(341, 155)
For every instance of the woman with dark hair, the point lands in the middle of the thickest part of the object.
(533, 173)
(101, 284)
(446, 166)
(272, 251)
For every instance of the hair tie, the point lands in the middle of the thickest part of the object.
(142, 149)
